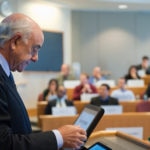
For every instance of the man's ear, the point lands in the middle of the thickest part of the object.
(14, 40)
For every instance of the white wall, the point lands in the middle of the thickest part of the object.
(49, 17)
(112, 40)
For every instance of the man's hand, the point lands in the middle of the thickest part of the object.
(73, 136)
(87, 88)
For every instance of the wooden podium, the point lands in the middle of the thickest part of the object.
(117, 141)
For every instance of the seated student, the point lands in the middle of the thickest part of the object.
(96, 76)
(132, 73)
(104, 98)
(65, 74)
(84, 87)
(60, 101)
(122, 94)
(144, 65)
(146, 94)
(50, 92)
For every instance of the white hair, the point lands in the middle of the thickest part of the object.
(9, 29)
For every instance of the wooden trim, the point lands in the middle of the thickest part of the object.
(32, 112)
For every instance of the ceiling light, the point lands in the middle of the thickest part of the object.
(122, 6)
(5, 8)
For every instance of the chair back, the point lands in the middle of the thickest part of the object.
(143, 106)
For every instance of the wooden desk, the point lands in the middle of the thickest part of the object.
(49, 122)
(41, 105)
(32, 112)
(146, 79)
(128, 106)
(70, 94)
(138, 91)
(80, 105)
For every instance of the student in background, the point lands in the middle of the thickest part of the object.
(84, 87)
(20, 41)
(144, 65)
(104, 98)
(121, 93)
(60, 101)
(96, 76)
(132, 73)
(146, 94)
(51, 91)
(65, 74)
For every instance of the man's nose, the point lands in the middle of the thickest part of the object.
(35, 57)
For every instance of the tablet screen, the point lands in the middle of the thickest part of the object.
(86, 117)
(99, 146)
(89, 117)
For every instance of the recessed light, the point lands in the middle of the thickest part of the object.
(5, 9)
(122, 6)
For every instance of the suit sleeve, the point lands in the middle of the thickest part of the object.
(48, 109)
(33, 141)
(116, 102)
(92, 101)
(21, 141)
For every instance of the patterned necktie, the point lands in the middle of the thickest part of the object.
(11, 77)
(59, 101)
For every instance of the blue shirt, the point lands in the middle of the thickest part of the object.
(123, 95)
(93, 80)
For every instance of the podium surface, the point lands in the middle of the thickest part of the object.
(117, 141)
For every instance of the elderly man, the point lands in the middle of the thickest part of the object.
(96, 76)
(20, 41)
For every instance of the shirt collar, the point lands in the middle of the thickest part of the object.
(122, 90)
(62, 99)
(4, 64)
(104, 99)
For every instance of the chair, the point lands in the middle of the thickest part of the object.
(143, 106)
(40, 97)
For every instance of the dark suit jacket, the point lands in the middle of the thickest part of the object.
(139, 67)
(52, 103)
(15, 128)
(129, 77)
(98, 101)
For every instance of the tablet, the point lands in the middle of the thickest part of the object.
(89, 117)
(99, 146)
